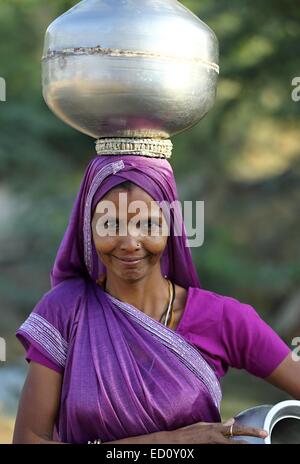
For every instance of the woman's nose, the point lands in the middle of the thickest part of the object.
(130, 242)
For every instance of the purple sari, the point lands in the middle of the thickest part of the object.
(124, 373)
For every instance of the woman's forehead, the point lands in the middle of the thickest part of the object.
(120, 202)
(144, 209)
(134, 193)
(128, 206)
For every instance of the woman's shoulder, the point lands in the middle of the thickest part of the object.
(233, 334)
(48, 329)
(66, 292)
(59, 306)
(216, 307)
(212, 296)
(216, 298)
(231, 319)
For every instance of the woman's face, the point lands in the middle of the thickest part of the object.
(123, 233)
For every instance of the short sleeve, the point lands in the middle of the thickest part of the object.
(35, 355)
(45, 334)
(249, 342)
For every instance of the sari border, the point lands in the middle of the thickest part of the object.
(186, 353)
(111, 168)
(40, 331)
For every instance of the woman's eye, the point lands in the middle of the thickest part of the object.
(150, 224)
(145, 224)
(110, 224)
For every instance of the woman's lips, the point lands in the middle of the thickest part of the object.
(130, 263)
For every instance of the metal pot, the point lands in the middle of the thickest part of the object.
(282, 422)
(130, 68)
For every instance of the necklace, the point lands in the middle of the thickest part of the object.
(168, 313)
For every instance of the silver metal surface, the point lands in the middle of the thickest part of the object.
(282, 422)
(130, 68)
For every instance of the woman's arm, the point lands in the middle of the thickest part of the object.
(287, 376)
(38, 406)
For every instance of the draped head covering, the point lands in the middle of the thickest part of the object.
(77, 255)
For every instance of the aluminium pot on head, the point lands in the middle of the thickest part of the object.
(130, 68)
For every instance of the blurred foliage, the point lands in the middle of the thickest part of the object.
(243, 159)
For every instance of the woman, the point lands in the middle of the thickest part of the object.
(110, 360)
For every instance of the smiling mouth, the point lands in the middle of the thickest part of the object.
(130, 260)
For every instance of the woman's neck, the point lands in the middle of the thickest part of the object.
(149, 294)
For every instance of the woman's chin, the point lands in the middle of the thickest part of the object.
(131, 275)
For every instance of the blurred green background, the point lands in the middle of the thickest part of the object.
(243, 160)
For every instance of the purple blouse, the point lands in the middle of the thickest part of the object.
(228, 333)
